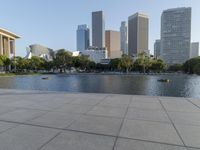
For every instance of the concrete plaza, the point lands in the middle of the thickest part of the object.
(36, 120)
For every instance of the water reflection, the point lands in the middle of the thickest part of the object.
(181, 85)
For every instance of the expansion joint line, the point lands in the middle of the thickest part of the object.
(172, 122)
(116, 138)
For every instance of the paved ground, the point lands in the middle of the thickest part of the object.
(33, 120)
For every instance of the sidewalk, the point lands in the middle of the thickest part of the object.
(34, 120)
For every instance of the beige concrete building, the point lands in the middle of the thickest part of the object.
(138, 34)
(113, 44)
(7, 43)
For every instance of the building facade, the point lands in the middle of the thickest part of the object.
(138, 34)
(157, 49)
(175, 35)
(83, 37)
(194, 50)
(96, 55)
(113, 44)
(39, 51)
(124, 37)
(7, 43)
(98, 29)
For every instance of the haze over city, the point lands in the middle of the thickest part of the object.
(54, 23)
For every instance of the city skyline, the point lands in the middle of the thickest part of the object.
(58, 30)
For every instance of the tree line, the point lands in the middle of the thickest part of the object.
(63, 61)
(191, 66)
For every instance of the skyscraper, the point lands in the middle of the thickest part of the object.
(175, 35)
(138, 34)
(194, 50)
(157, 49)
(124, 37)
(113, 44)
(98, 29)
(83, 37)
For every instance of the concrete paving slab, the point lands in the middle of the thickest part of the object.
(80, 141)
(108, 111)
(116, 101)
(185, 118)
(151, 131)
(57, 97)
(6, 99)
(195, 101)
(172, 99)
(21, 115)
(181, 106)
(47, 97)
(89, 96)
(127, 144)
(145, 99)
(86, 101)
(146, 106)
(72, 108)
(190, 135)
(5, 126)
(19, 103)
(25, 138)
(5, 109)
(55, 120)
(97, 125)
(149, 115)
(47, 105)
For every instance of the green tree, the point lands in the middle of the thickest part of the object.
(91, 66)
(176, 67)
(143, 62)
(197, 69)
(189, 65)
(5, 62)
(126, 63)
(63, 60)
(1, 62)
(14, 62)
(157, 65)
(23, 65)
(36, 63)
(114, 63)
(48, 65)
(82, 62)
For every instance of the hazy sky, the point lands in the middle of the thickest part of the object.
(53, 23)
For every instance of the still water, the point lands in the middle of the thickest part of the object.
(181, 85)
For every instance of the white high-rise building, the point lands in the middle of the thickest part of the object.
(194, 50)
(83, 37)
(124, 37)
(176, 35)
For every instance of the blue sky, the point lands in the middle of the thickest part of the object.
(53, 23)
